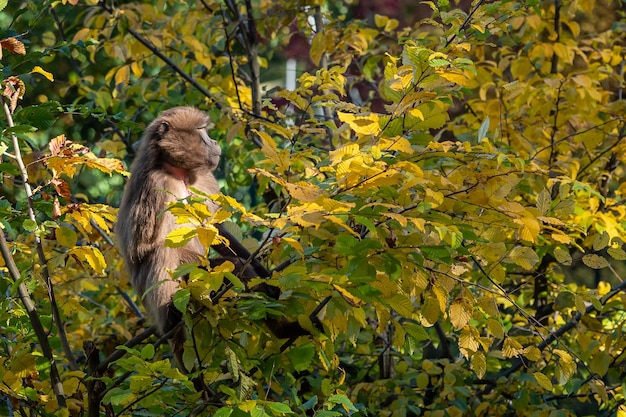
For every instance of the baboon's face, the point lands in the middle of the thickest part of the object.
(181, 136)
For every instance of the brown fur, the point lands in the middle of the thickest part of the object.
(176, 154)
(178, 138)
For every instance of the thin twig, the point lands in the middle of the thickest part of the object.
(465, 23)
(59, 24)
(319, 28)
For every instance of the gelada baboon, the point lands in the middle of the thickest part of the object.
(175, 155)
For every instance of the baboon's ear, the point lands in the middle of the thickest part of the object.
(162, 129)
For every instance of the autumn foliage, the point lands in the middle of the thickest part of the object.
(443, 189)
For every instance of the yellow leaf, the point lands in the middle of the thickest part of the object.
(318, 47)
(460, 313)
(469, 341)
(347, 296)
(401, 304)
(398, 144)
(532, 353)
(303, 191)
(397, 217)
(511, 348)
(403, 79)
(600, 363)
(37, 69)
(566, 366)
(430, 311)
(561, 237)
(529, 228)
(106, 165)
(543, 381)
(306, 216)
(269, 149)
(70, 386)
(495, 328)
(524, 257)
(180, 236)
(91, 255)
(340, 154)
(479, 28)
(488, 304)
(380, 20)
(136, 69)
(207, 235)
(122, 76)
(479, 364)
(23, 365)
(342, 223)
(458, 77)
(294, 244)
(362, 124)
(603, 288)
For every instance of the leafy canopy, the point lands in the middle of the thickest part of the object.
(445, 194)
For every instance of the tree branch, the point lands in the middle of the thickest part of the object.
(38, 245)
(166, 60)
(518, 363)
(41, 334)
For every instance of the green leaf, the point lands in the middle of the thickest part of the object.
(562, 256)
(434, 117)
(278, 408)
(484, 128)
(66, 236)
(343, 400)
(118, 396)
(301, 356)
(40, 116)
(600, 362)
(617, 253)
(29, 225)
(181, 299)
(601, 241)
(223, 412)
(595, 261)
(438, 62)
(147, 352)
